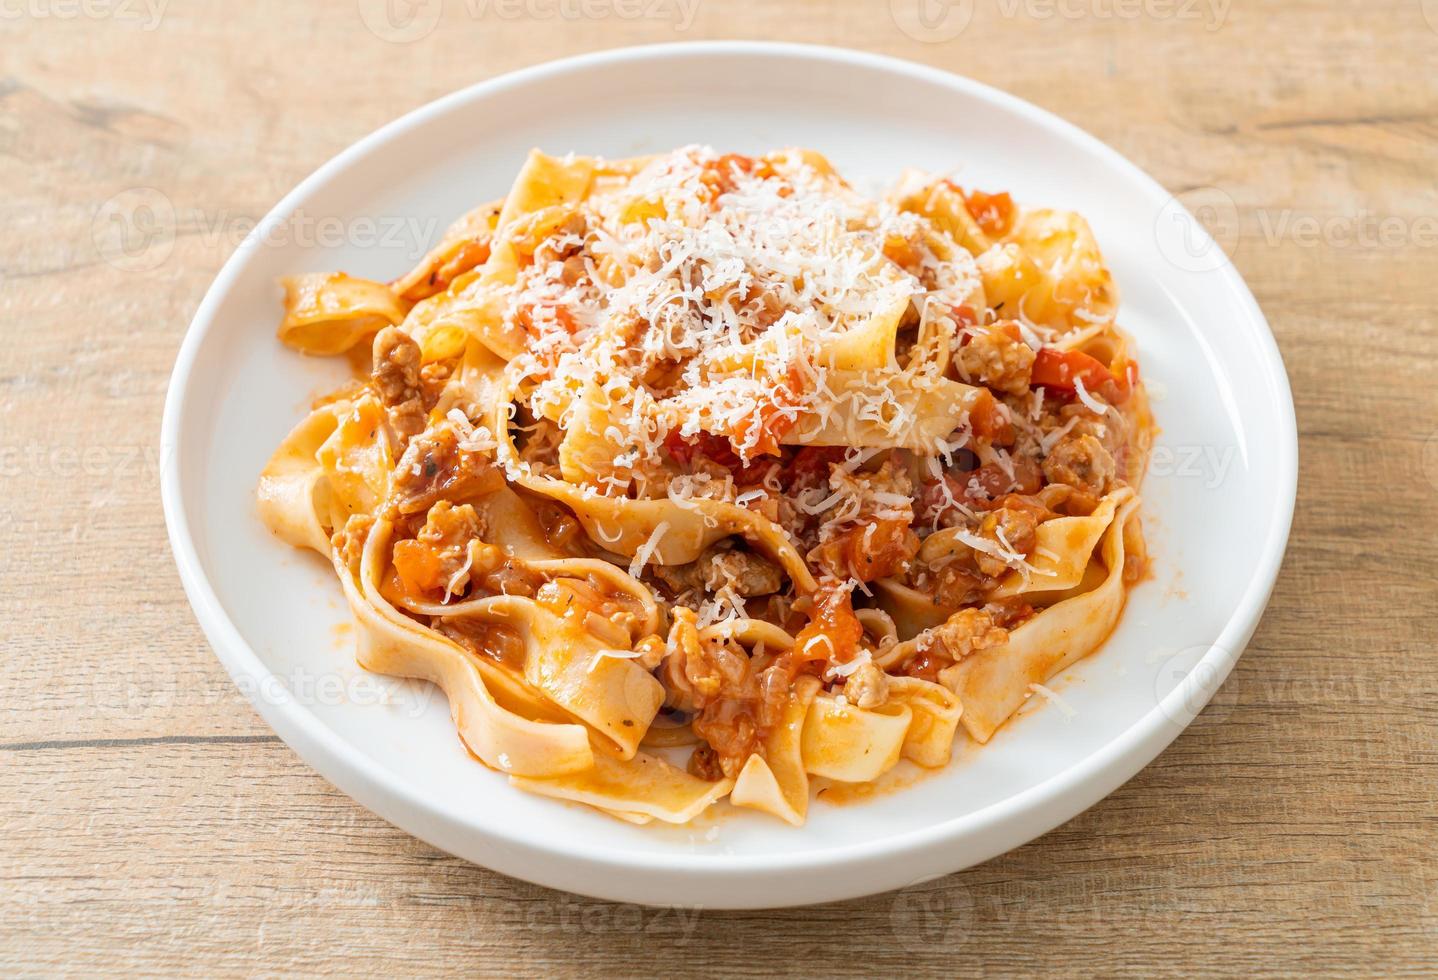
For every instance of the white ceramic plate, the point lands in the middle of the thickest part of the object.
(1218, 499)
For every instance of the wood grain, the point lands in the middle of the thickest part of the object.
(153, 824)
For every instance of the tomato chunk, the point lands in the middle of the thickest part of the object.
(1057, 369)
(720, 178)
(989, 421)
(810, 466)
(868, 552)
(833, 632)
(718, 449)
(420, 568)
(993, 212)
(773, 419)
(965, 316)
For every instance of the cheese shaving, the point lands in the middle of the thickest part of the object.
(646, 550)
(1053, 698)
(1094, 405)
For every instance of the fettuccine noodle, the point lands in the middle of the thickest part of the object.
(695, 476)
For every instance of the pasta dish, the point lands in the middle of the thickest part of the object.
(703, 476)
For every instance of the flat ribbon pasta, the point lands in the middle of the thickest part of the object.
(473, 307)
(644, 786)
(674, 531)
(293, 494)
(822, 737)
(328, 313)
(852, 744)
(1062, 553)
(992, 684)
(390, 644)
(935, 713)
(564, 661)
(777, 782)
(465, 245)
(356, 460)
(906, 411)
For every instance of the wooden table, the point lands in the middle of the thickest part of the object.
(151, 821)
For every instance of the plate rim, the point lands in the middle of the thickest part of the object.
(1056, 799)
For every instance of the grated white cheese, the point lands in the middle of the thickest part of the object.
(600, 655)
(1048, 440)
(1036, 410)
(646, 550)
(816, 639)
(1052, 697)
(1001, 550)
(848, 667)
(458, 580)
(737, 294)
(1094, 405)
